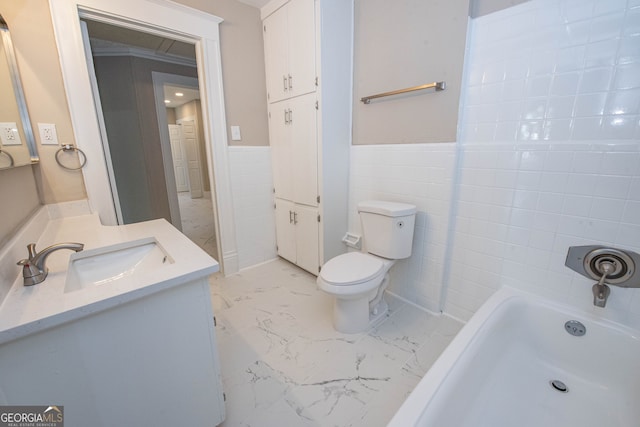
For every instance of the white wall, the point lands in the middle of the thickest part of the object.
(412, 173)
(252, 193)
(548, 153)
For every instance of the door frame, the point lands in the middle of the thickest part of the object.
(167, 19)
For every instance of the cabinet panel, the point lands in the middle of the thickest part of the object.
(276, 41)
(303, 124)
(302, 53)
(290, 55)
(307, 243)
(281, 150)
(286, 230)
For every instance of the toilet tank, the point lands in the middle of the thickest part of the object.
(387, 228)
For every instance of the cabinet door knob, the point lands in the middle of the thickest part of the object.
(295, 217)
(290, 82)
(284, 83)
(286, 117)
(290, 116)
(290, 217)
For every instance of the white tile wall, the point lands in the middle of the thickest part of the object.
(420, 174)
(555, 70)
(251, 190)
(550, 151)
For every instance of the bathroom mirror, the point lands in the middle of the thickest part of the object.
(17, 142)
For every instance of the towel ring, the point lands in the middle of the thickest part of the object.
(69, 147)
(6, 153)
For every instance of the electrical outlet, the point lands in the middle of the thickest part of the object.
(9, 134)
(48, 135)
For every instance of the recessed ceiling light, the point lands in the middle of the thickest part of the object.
(179, 94)
(166, 101)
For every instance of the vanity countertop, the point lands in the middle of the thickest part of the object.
(30, 309)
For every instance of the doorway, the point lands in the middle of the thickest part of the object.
(148, 101)
(181, 23)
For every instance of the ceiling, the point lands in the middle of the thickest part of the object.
(104, 36)
(110, 38)
(188, 95)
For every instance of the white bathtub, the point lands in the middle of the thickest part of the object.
(497, 371)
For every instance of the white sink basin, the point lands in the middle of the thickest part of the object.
(110, 264)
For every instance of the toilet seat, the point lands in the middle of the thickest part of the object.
(351, 269)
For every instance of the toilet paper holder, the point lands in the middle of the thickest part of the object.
(352, 240)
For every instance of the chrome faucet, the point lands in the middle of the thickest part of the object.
(609, 266)
(600, 290)
(34, 270)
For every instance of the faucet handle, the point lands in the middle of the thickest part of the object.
(31, 248)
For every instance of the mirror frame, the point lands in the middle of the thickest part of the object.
(18, 93)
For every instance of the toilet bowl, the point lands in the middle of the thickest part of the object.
(357, 280)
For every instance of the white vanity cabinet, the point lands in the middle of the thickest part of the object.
(152, 361)
(289, 37)
(115, 341)
(309, 124)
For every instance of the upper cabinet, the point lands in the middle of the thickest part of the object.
(289, 39)
(294, 147)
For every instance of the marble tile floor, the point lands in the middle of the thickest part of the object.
(196, 216)
(283, 364)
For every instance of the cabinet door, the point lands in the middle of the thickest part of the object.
(304, 136)
(302, 54)
(281, 149)
(276, 40)
(307, 229)
(286, 230)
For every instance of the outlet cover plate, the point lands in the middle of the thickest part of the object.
(9, 134)
(48, 135)
(235, 133)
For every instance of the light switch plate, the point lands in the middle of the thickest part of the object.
(48, 135)
(9, 134)
(235, 133)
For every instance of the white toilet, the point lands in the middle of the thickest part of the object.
(357, 280)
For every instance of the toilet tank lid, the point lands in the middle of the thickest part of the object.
(391, 209)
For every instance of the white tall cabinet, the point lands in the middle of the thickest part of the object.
(308, 59)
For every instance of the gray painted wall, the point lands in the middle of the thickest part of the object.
(412, 43)
(128, 103)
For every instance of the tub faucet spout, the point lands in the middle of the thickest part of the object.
(34, 269)
(600, 290)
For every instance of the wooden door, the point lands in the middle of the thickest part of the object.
(178, 157)
(191, 148)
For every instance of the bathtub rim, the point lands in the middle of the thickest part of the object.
(418, 401)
